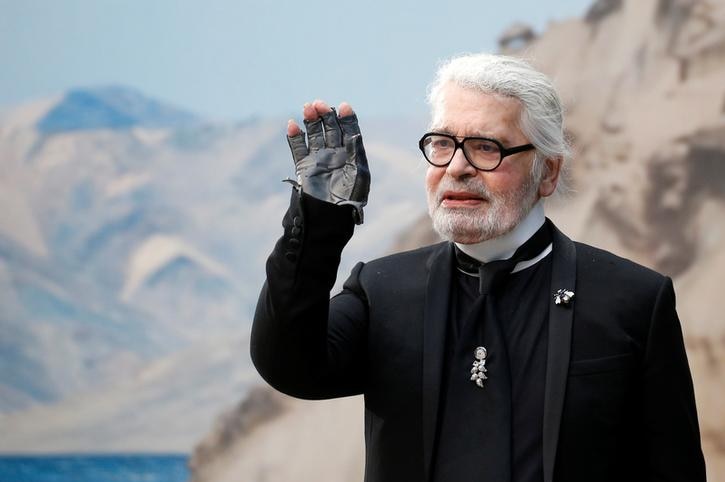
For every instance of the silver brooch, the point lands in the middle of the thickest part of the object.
(478, 372)
(563, 297)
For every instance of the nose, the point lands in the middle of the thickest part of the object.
(459, 166)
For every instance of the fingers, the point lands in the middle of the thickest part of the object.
(319, 119)
(325, 127)
(315, 136)
(333, 132)
(296, 141)
(309, 112)
(321, 107)
(344, 109)
(293, 129)
(348, 122)
(313, 124)
(331, 128)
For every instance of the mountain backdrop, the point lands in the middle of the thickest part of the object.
(644, 86)
(133, 237)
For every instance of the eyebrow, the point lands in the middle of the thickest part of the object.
(444, 130)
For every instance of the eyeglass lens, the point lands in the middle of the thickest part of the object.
(482, 153)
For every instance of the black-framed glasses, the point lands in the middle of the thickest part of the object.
(481, 152)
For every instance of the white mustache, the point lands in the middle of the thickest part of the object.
(468, 185)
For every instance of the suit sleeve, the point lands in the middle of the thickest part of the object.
(672, 433)
(302, 343)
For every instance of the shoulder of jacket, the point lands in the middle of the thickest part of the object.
(415, 256)
(590, 258)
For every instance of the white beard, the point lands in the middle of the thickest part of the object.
(496, 217)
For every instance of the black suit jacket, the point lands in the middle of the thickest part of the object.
(619, 402)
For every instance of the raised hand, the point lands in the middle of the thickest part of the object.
(331, 164)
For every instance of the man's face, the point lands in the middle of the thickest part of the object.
(467, 205)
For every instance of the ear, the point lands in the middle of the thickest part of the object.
(552, 168)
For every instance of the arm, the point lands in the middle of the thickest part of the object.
(670, 416)
(303, 344)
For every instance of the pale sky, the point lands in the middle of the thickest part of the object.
(231, 60)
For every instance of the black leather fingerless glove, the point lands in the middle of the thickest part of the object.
(331, 165)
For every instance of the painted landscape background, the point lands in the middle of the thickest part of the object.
(133, 235)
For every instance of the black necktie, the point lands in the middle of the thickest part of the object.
(474, 440)
(491, 274)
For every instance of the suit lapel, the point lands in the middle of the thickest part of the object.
(561, 316)
(434, 330)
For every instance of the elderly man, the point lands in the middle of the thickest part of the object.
(506, 353)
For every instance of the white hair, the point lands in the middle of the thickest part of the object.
(542, 119)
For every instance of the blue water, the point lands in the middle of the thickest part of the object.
(94, 468)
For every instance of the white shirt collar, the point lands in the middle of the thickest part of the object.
(505, 246)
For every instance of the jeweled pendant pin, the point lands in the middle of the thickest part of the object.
(478, 372)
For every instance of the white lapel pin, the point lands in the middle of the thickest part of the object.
(563, 297)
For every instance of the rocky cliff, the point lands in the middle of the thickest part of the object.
(644, 86)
